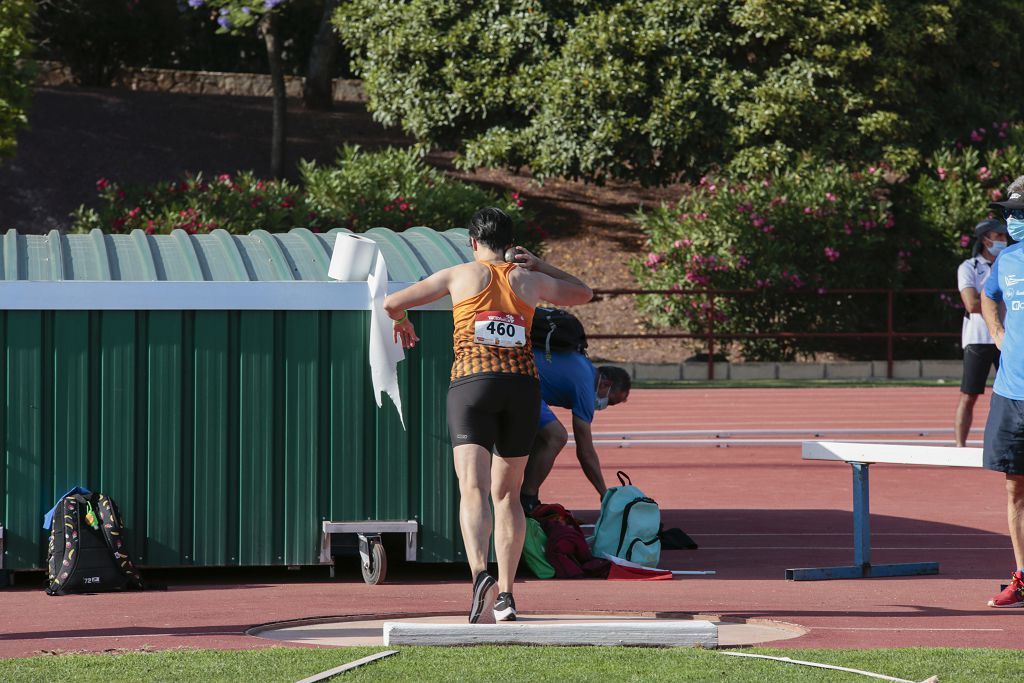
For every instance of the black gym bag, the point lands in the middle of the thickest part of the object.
(87, 551)
(557, 330)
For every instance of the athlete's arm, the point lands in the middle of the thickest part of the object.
(423, 292)
(590, 462)
(553, 284)
(971, 299)
(993, 319)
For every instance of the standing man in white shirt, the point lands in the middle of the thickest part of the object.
(980, 352)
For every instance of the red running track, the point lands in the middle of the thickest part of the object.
(754, 510)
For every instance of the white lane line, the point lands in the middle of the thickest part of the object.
(894, 628)
(843, 547)
(850, 533)
(141, 635)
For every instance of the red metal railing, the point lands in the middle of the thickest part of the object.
(709, 335)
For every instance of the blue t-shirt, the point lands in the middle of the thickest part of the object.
(567, 381)
(1006, 284)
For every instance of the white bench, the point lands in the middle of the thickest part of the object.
(859, 456)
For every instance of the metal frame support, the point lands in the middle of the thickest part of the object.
(370, 527)
(862, 567)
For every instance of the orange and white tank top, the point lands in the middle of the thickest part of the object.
(492, 330)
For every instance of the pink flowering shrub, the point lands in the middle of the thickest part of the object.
(956, 185)
(792, 238)
(391, 188)
(196, 204)
(394, 188)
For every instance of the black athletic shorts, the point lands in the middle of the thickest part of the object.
(1004, 436)
(497, 411)
(978, 358)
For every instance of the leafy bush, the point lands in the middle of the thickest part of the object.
(792, 238)
(96, 38)
(392, 188)
(650, 89)
(953, 191)
(15, 74)
(238, 203)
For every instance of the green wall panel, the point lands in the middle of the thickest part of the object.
(23, 452)
(165, 503)
(226, 437)
(120, 427)
(212, 495)
(257, 441)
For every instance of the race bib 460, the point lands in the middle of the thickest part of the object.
(494, 328)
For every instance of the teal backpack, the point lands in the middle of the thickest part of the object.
(628, 525)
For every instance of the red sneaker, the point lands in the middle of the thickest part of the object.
(1012, 595)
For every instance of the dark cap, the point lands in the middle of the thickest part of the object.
(1014, 201)
(987, 225)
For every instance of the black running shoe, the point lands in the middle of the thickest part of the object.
(483, 583)
(529, 503)
(505, 608)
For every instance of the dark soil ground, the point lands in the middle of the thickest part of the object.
(78, 135)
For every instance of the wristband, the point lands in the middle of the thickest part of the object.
(405, 316)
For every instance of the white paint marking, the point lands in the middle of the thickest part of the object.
(821, 547)
(145, 635)
(870, 674)
(880, 628)
(324, 675)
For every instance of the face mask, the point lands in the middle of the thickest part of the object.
(601, 402)
(996, 247)
(1015, 226)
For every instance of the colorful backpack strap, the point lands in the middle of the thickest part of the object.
(624, 478)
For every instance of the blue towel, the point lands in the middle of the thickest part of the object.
(48, 517)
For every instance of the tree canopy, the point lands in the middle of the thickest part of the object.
(15, 76)
(656, 89)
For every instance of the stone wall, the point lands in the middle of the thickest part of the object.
(201, 82)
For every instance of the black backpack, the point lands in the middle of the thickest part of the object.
(557, 330)
(87, 550)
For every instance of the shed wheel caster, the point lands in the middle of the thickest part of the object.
(374, 559)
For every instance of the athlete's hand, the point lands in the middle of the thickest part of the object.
(405, 333)
(998, 338)
(526, 259)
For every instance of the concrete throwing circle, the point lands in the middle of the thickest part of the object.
(353, 631)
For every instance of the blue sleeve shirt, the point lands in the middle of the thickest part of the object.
(1006, 284)
(567, 381)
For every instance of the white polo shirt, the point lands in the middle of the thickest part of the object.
(972, 273)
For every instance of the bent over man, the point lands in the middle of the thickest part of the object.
(570, 380)
(494, 396)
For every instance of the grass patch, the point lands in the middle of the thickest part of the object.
(534, 664)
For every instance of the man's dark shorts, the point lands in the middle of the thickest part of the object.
(1004, 436)
(496, 411)
(978, 358)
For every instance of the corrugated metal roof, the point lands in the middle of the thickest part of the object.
(218, 256)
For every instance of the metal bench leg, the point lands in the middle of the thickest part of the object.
(862, 567)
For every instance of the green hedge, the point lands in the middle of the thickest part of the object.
(96, 38)
(15, 70)
(391, 188)
(796, 237)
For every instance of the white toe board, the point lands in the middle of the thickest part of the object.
(651, 634)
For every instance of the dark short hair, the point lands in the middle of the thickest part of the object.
(493, 228)
(620, 379)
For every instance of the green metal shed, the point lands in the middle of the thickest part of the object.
(217, 387)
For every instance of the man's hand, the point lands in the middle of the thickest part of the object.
(997, 336)
(405, 333)
(525, 259)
